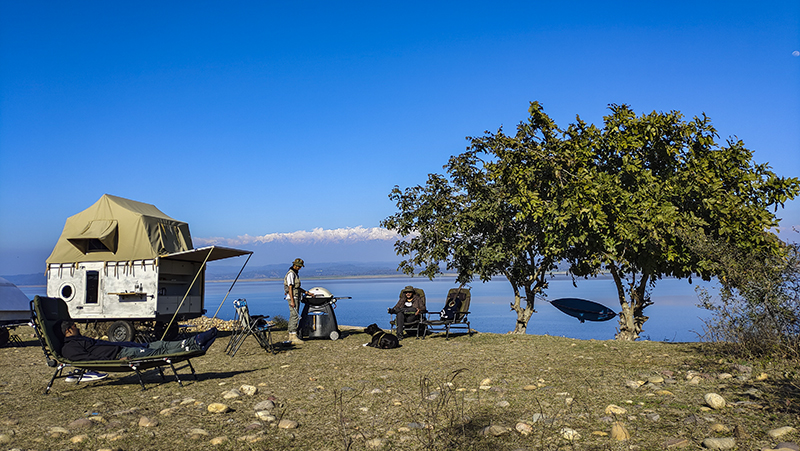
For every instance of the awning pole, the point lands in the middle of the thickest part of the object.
(231, 288)
(187, 293)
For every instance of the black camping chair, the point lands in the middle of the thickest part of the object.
(454, 315)
(411, 323)
(46, 315)
(247, 325)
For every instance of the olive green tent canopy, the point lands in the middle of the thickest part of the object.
(117, 229)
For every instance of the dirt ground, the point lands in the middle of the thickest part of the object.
(481, 392)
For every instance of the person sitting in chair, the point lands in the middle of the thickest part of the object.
(408, 309)
(77, 347)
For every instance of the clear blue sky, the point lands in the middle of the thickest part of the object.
(264, 118)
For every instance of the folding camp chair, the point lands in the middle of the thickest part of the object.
(415, 326)
(454, 315)
(46, 314)
(247, 325)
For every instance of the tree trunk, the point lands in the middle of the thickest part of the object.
(523, 314)
(628, 330)
(631, 318)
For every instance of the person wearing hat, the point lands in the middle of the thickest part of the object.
(291, 287)
(408, 309)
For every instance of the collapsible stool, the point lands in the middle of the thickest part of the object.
(247, 325)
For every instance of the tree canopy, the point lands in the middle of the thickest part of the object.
(620, 198)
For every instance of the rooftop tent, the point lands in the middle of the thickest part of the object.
(14, 305)
(118, 229)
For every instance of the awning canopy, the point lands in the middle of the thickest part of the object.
(199, 255)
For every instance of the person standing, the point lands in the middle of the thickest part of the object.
(294, 294)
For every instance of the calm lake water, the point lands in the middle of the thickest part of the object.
(674, 316)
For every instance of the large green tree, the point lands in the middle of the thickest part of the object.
(665, 179)
(620, 199)
(481, 223)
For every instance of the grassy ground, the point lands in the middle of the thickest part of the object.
(429, 394)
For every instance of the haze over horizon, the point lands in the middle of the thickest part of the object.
(282, 128)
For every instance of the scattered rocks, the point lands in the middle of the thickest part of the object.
(197, 433)
(715, 401)
(614, 409)
(254, 425)
(216, 407)
(570, 434)
(252, 438)
(265, 415)
(216, 441)
(720, 443)
(618, 432)
(524, 428)
(720, 428)
(287, 424)
(81, 423)
(634, 384)
(168, 411)
(781, 431)
(79, 438)
(145, 422)
(496, 430)
(375, 443)
(232, 394)
(248, 390)
(55, 431)
(112, 436)
(264, 405)
(652, 416)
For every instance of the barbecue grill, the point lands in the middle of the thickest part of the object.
(318, 319)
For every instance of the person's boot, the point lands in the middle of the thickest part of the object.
(294, 339)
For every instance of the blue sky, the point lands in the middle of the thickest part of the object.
(265, 119)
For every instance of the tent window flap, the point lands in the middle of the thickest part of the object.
(97, 236)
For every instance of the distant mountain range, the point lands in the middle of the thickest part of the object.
(216, 272)
(311, 270)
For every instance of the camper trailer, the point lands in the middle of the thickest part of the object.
(124, 265)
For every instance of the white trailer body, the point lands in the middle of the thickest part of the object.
(127, 263)
(138, 290)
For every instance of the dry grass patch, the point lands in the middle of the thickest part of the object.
(486, 392)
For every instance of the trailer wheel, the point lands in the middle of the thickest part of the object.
(120, 331)
(335, 335)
